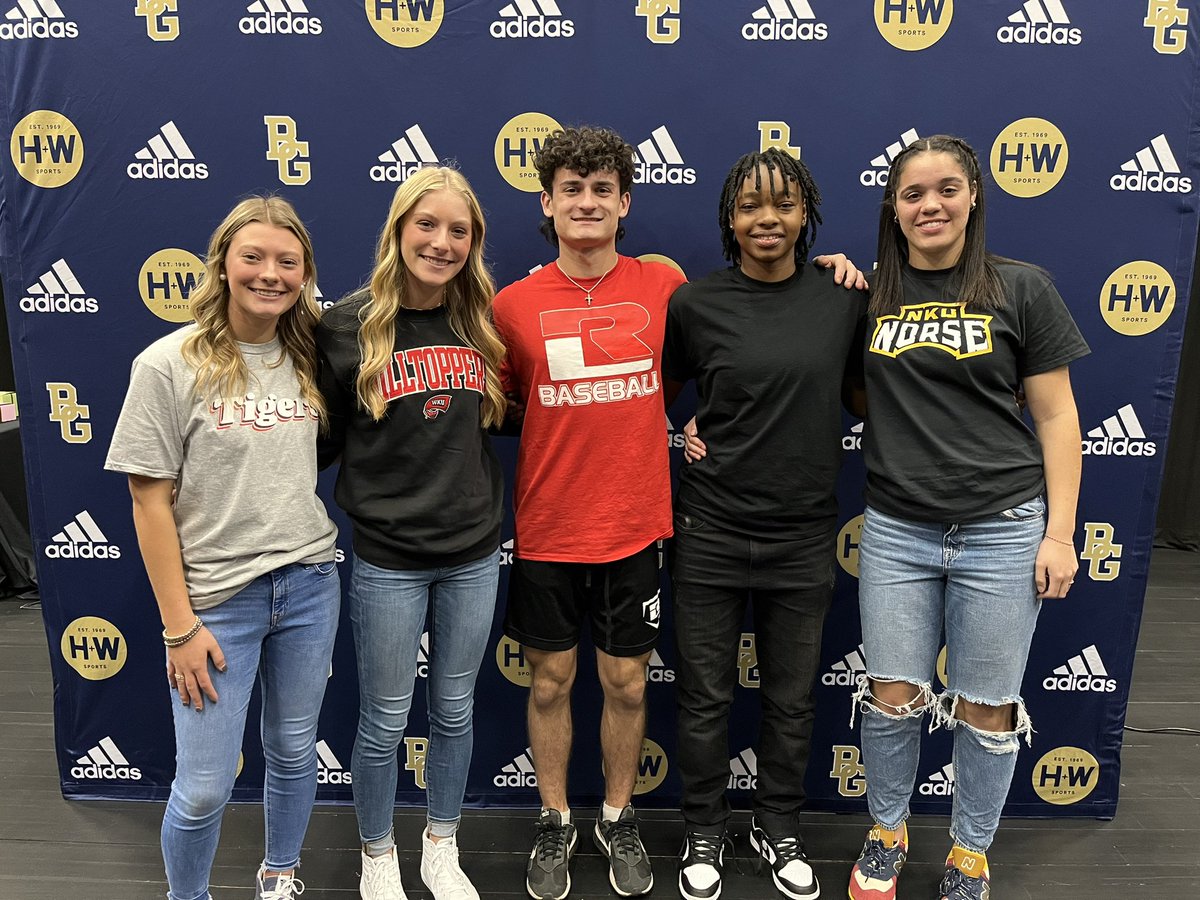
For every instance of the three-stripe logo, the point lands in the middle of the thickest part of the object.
(1039, 22)
(81, 538)
(519, 773)
(657, 160)
(58, 290)
(166, 155)
(743, 771)
(1083, 672)
(1153, 168)
(877, 175)
(36, 19)
(1121, 434)
(940, 783)
(784, 20)
(532, 19)
(329, 767)
(106, 761)
(279, 17)
(404, 157)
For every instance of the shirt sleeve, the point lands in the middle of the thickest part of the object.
(148, 439)
(1051, 339)
(338, 402)
(675, 362)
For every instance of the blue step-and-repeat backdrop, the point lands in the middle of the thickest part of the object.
(133, 126)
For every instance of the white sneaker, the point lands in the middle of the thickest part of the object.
(441, 872)
(381, 878)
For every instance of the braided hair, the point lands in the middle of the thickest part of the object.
(791, 170)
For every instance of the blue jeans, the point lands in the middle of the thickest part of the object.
(280, 628)
(387, 609)
(975, 580)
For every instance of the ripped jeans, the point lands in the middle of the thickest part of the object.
(975, 580)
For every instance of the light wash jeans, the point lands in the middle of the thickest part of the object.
(387, 609)
(975, 580)
(280, 628)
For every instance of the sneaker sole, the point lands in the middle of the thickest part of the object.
(567, 889)
(779, 885)
(602, 846)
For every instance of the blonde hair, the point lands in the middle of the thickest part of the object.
(468, 297)
(212, 348)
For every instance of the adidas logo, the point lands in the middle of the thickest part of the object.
(658, 161)
(167, 155)
(784, 20)
(845, 672)
(743, 771)
(423, 656)
(853, 441)
(1153, 168)
(279, 17)
(105, 761)
(1119, 435)
(1039, 22)
(82, 539)
(532, 19)
(674, 438)
(329, 767)
(404, 157)
(877, 175)
(58, 291)
(36, 19)
(506, 553)
(1084, 672)
(518, 773)
(940, 783)
(657, 671)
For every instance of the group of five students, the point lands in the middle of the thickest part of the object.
(402, 381)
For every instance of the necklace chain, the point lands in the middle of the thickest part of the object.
(593, 288)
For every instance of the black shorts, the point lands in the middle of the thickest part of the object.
(548, 601)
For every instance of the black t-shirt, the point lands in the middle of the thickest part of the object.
(945, 439)
(423, 485)
(768, 359)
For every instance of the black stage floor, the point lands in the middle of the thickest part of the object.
(50, 848)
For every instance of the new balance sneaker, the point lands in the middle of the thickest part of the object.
(276, 887)
(380, 878)
(967, 876)
(790, 871)
(875, 874)
(701, 861)
(629, 870)
(441, 872)
(548, 872)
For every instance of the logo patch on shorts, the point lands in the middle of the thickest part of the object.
(652, 609)
(436, 405)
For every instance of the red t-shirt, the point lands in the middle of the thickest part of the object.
(593, 481)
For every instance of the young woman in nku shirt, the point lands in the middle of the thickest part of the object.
(409, 367)
(218, 437)
(970, 515)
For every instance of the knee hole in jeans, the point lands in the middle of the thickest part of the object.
(865, 698)
(1003, 741)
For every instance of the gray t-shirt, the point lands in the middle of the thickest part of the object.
(245, 469)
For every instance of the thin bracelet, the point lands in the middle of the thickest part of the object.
(1070, 544)
(181, 639)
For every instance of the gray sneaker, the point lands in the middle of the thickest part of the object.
(548, 872)
(629, 870)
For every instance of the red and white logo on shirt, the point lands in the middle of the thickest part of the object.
(598, 349)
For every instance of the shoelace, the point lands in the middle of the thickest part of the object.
(383, 876)
(445, 866)
(789, 849)
(878, 859)
(286, 887)
(623, 839)
(960, 886)
(551, 840)
(704, 849)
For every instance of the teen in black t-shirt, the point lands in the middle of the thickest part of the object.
(768, 342)
(970, 514)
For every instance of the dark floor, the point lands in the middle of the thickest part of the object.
(50, 848)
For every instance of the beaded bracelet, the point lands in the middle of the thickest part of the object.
(1070, 544)
(180, 639)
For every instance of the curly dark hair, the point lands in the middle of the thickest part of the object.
(791, 172)
(583, 149)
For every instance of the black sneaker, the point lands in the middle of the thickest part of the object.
(700, 863)
(548, 873)
(629, 870)
(789, 865)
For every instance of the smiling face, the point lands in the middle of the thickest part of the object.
(767, 225)
(435, 238)
(934, 198)
(586, 209)
(264, 269)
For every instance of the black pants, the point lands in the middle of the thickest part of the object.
(790, 583)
